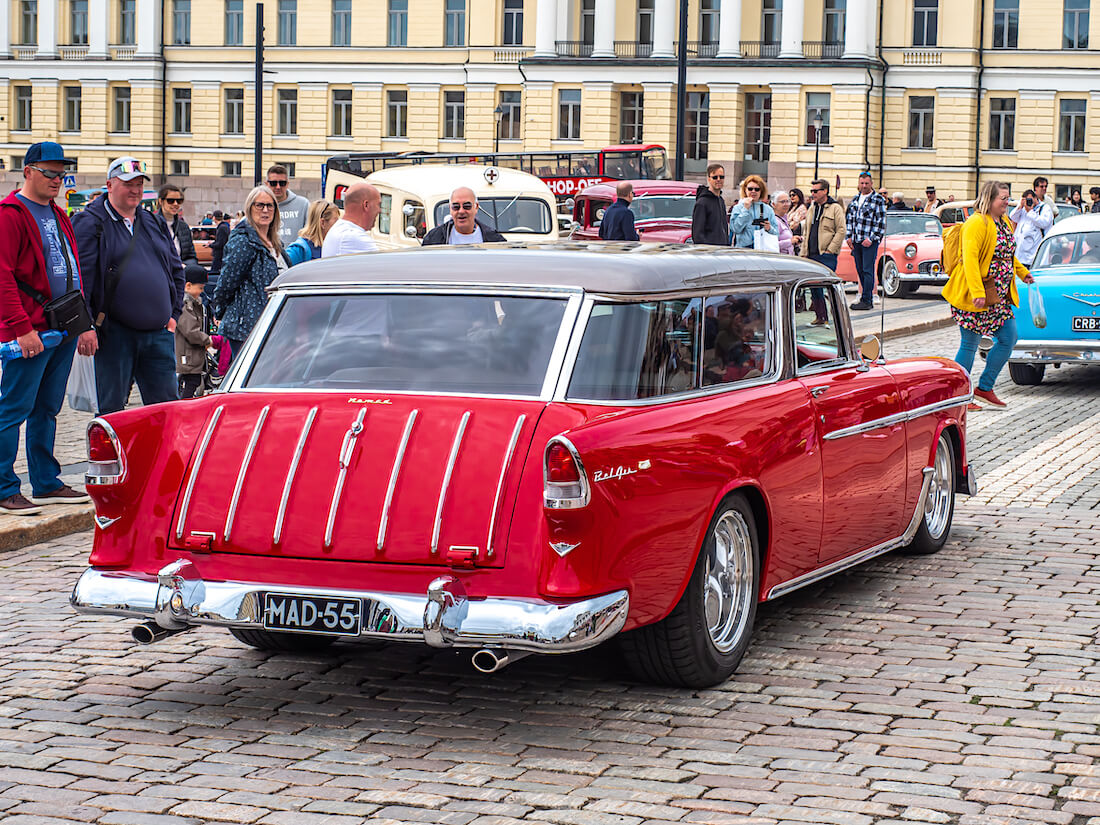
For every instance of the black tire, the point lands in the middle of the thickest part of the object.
(1027, 375)
(935, 523)
(277, 642)
(680, 649)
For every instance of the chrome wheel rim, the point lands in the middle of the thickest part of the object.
(728, 578)
(937, 510)
(890, 282)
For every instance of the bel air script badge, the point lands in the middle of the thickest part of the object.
(620, 471)
(369, 401)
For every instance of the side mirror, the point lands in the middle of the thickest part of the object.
(569, 204)
(870, 348)
(410, 231)
(408, 209)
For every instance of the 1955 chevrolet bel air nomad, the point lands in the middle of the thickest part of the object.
(520, 450)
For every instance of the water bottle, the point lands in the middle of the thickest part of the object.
(11, 349)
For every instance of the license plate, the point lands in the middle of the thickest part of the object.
(1085, 323)
(313, 614)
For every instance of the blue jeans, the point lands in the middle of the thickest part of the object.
(996, 359)
(127, 355)
(864, 257)
(817, 294)
(33, 390)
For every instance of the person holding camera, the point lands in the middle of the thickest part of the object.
(1032, 217)
(752, 213)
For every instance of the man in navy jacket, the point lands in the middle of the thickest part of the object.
(618, 220)
(134, 279)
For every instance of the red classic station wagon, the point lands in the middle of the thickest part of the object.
(520, 450)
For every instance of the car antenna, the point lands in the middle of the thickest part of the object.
(882, 328)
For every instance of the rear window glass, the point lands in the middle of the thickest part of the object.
(415, 343)
(518, 215)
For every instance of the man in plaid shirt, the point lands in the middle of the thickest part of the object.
(865, 222)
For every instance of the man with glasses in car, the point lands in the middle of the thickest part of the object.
(708, 217)
(463, 227)
(292, 208)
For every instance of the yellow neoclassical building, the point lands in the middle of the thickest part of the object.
(949, 92)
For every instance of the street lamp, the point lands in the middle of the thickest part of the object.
(818, 123)
(499, 112)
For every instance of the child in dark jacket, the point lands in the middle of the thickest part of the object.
(192, 339)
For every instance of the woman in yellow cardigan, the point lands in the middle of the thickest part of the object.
(982, 287)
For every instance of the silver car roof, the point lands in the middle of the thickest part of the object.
(620, 269)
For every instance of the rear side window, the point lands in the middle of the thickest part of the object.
(736, 342)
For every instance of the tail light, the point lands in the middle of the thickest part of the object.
(565, 485)
(105, 460)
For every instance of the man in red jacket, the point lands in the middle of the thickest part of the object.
(37, 248)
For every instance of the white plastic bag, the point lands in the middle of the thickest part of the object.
(1038, 311)
(765, 241)
(81, 387)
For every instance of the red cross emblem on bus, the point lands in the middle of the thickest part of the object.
(491, 175)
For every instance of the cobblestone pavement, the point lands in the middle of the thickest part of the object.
(956, 688)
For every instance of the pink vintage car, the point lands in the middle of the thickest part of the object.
(523, 450)
(910, 255)
(662, 210)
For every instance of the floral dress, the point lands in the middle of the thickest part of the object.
(993, 318)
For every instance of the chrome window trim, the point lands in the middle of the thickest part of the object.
(845, 339)
(292, 474)
(196, 467)
(897, 418)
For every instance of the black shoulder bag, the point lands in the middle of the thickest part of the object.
(68, 313)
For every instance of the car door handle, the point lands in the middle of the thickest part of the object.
(817, 391)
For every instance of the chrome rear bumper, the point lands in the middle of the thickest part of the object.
(1051, 352)
(178, 597)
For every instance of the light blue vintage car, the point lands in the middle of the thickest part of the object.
(1067, 274)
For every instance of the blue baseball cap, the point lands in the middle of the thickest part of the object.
(46, 150)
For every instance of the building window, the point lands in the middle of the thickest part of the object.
(1002, 123)
(1075, 25)
(697, 121)
(288, 22)
(1071, 126)
(454, 23)
(234, 22)
(341, 22)
(569, 114)
(709, 11)
(630, 117)
(921, 116)
(78, 22)
(72, 109)
(771, 23)
(454, 115)
(28, 22)
(179, 167)
(181, 111)
(181, 22)
(513, 23)
(1006, 23)
(288, 165)
(121, 107)
(231, 168)
(588, 21)
(23, 109)
(127, 15)
(17, 163)
(398, 23)
(341, 112)
(817, 104)
(509, 123)
(397, 114)
(288, 111)
(834, 21)
(234, 111)
(645, 22)
(926, 17)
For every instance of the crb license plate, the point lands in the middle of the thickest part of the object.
(1085, 323)
(313, 614)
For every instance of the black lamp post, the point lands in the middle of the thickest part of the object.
(818, 123)
(499, 112)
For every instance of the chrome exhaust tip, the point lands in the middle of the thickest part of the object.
(148, 632)
(488, 660)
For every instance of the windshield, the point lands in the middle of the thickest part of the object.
(506, 214)
(468, 344)
(1072, 248)
(646, 207)
(655, 164)
(913, 223)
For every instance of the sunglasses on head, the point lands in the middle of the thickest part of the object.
(173, 200)
(467, 205)
(276, 183)
(48, 174)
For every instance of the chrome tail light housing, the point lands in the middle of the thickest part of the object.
(106, 460)
(565, 482)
